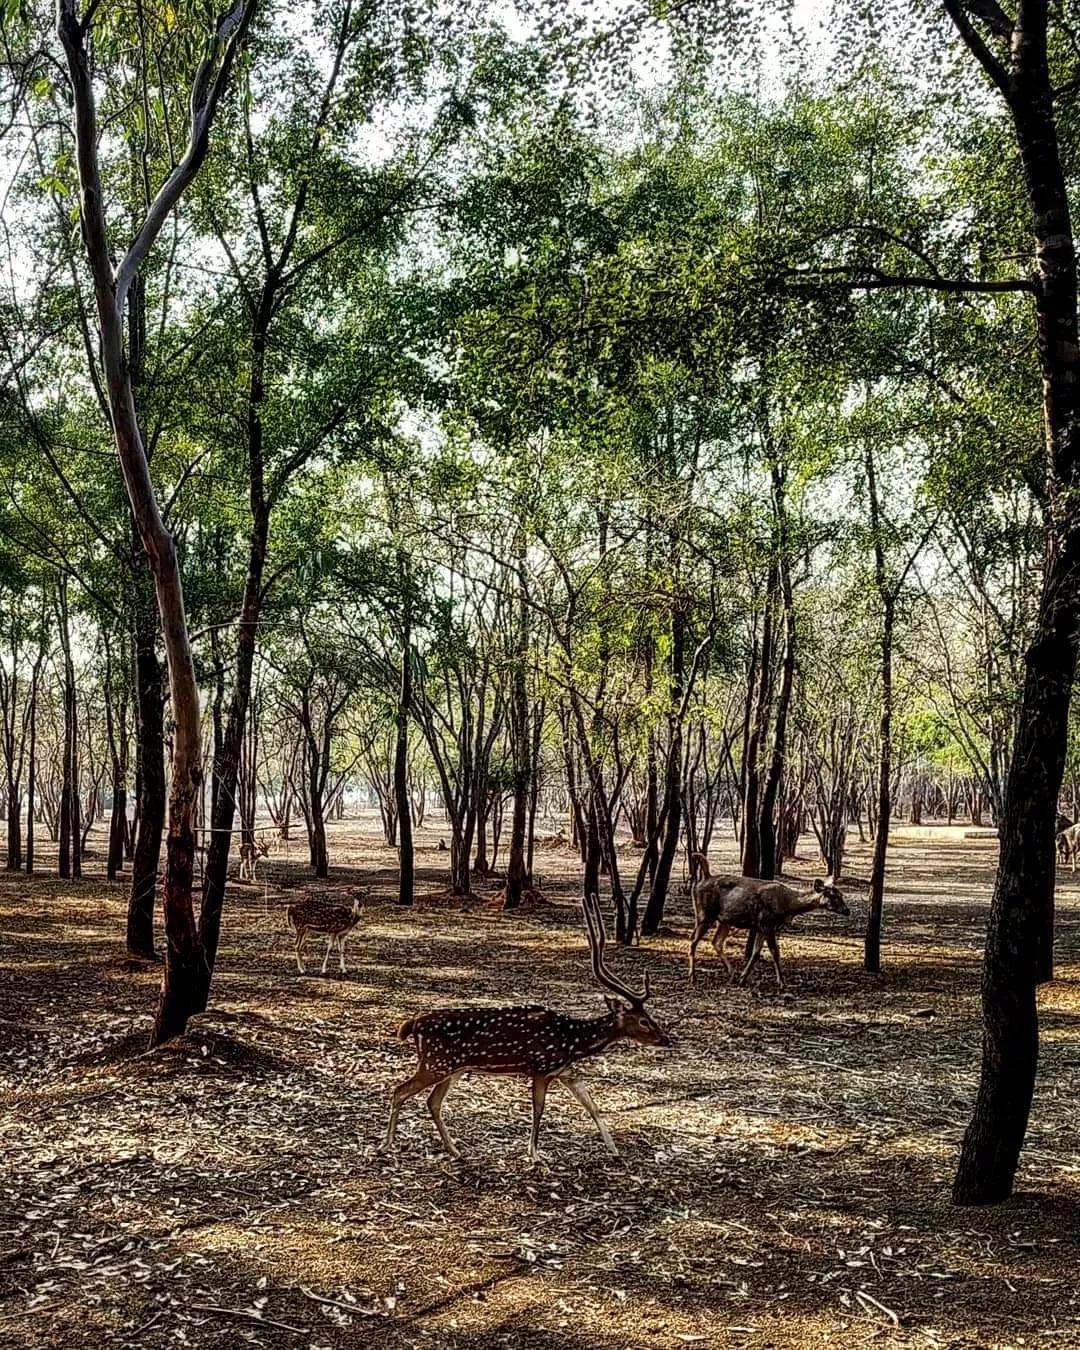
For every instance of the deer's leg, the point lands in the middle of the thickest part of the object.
(774, 952)
(341, 951)
(539, 1096)
(301, 938)
(719, 941)
(577, 1089)
(700, 929)
(421, 1079)
(758, 944)
(435, 1102)
(329, 948)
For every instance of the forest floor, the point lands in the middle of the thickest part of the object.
(785, 1167)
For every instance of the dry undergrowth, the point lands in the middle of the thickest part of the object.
(785, 1171)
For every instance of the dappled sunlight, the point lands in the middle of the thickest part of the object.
(785, 1166)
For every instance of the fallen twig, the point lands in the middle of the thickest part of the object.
(249, 1317)
(138, 1331)
(865, 1299)
(340, 1303)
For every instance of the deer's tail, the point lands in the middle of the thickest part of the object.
(703, 861)
(407, 1029)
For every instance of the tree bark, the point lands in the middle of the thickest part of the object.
(406, 852)
(771, 859)
(887, 595)
(672, 807)
(520, 743)
(150, 774)
(1019, 946)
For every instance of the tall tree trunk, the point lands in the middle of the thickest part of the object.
(672, 808)
(31, 774)
(150, 773)
(520, 740)
(1019, 947)
(227, 761)
(67, 788)
(406, 852)
(771, 859)
(751, 841)
(887, 595)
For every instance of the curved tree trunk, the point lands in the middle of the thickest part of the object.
(184, 956)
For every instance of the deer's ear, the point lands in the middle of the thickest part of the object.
(613, 1003)
(819, 885)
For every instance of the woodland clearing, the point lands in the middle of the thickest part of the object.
(785, 1170)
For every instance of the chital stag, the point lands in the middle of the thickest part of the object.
(334, 922)
(254, 850)
(727, 902)
(534, 1042)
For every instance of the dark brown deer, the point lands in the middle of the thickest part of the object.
(727, 902)
(534, 1042)
(334, 922)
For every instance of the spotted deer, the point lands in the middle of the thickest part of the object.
(334, 922)
(727, 902)
(531, 1041)
(254, 850)
(1068, 844)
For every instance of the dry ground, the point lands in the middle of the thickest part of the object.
(785, 1169)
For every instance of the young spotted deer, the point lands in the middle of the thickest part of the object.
(534, 1042)
(727, 902)
(334, 922)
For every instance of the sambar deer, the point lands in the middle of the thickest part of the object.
(534, 1042)
(727, 902)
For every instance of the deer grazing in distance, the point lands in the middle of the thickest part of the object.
(530, 1041)
(334, 922)
(253, 851)
(1068, 844)
(727, 902)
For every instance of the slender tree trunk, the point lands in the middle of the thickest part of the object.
(406, 852)
(520, 738)
(771, 864)
(672, 809)
(751, 843)
(31, 768)
(227, 761)
(150, 775)
(887, 595)
(66, 785)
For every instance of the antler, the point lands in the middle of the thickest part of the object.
(594, 924)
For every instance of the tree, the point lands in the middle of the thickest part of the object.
(184, 954)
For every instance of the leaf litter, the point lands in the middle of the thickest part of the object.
(785, 1169)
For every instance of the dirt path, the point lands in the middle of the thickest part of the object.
(785, 1169)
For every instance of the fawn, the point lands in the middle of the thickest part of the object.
(334, 922)
(727, 902)
(534, 1042)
